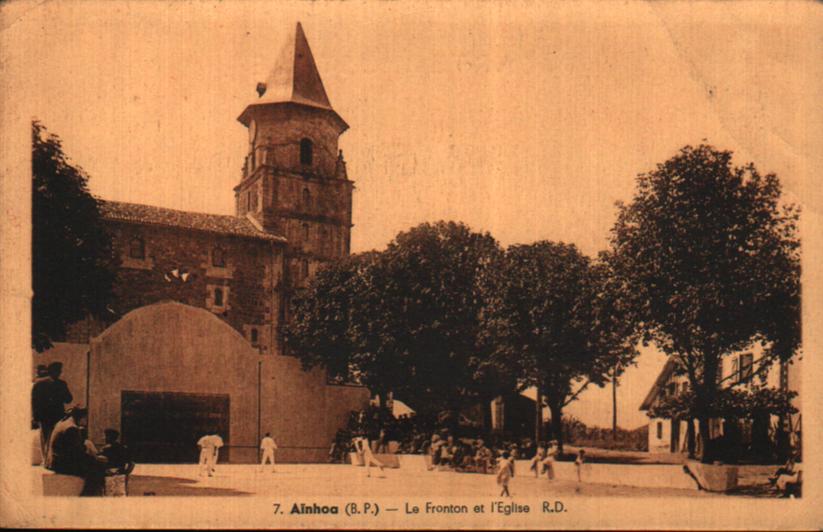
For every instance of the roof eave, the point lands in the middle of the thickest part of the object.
(245, 116)
(261, 237)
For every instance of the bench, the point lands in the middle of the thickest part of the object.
(59, 485)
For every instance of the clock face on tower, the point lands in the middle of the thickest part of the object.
(252, 132)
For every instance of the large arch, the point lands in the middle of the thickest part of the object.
(174, 371)
(185, 369)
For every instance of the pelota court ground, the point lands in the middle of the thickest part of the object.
(293, 481)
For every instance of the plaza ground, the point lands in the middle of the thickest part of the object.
(304, 480)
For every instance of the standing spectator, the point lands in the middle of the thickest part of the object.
(483, 457)
(548, 461)
(49, 396)
(267, 448)
(578, 465)
(537, 461)
(382, 444)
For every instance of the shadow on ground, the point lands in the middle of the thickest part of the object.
(146, 485)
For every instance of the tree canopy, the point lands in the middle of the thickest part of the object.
(406, 319)
(550, 314)
(709, 259)
(73, 267)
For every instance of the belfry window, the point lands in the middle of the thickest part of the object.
(305, 232)
(137, 248)
(306, 148)
(218, 258)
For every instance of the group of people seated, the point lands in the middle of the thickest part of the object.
(65, 447)
(462, 455)
(788, 479)
(71, 452)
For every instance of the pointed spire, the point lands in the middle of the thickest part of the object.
(294, 78)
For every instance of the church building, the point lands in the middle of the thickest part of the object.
(194, 345)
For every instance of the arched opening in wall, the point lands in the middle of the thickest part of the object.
(137, 248)
(218, 297)
(306, 151)
(304, 268)
(306, 198)
(254, 336)
(305, 232)
(218, 258)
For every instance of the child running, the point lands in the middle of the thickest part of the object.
(505, 472)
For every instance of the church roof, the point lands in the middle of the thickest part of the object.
(195, 221)
(294, 79)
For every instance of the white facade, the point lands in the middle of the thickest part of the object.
(737, 371)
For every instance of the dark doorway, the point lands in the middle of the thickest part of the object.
(675, 443)
(163, 427)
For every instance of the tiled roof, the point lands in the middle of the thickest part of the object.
(197, 221)
(659, 383)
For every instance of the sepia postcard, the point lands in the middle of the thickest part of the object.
(411, 265)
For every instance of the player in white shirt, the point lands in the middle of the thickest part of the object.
(361, 445)
(218, 443)
(207, 448)
(267, 448)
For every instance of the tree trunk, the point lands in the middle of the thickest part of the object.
(538, 417)
(557, 424)
(690, 443)
(486, 404)
(705, 394)
(614, 404)
(705, 442)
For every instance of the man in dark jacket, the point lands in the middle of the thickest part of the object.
(71, 456)
(48, 398)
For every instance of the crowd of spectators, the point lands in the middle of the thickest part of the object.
(450, 443)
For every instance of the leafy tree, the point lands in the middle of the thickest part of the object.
(73, 267)
(550, 315)
(710, 262)
(405, 320)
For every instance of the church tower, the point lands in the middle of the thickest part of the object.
(294, 180)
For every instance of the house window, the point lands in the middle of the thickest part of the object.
(306, 154)
(305, 232)
(137, 248)
(218, 258)
(306, 198)
(218, 297)
(659, 430)
(253, 335)
(745, 364)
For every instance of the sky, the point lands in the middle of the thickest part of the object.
(526, 120)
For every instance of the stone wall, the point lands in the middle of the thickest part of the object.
(250, 281)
